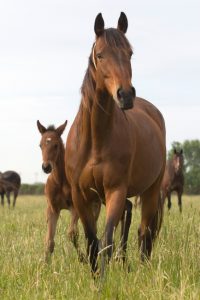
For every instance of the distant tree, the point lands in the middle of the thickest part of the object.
(191, 152)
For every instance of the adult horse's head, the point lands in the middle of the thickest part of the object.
(111, 58)
(51, 145)
(178, 161)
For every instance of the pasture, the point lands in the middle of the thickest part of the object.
(173, 273)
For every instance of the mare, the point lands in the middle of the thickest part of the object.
(115, 146)
(57, 189)
(173, 179)
(10, 182)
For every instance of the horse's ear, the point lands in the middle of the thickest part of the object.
(175, 151)
(122, 23)
(99, 25)
(181, 151)
(41, 128)
(61, 128)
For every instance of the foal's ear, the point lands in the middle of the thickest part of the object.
(61, 128)
(99, 25)
(175, 152)
(122, 23)
(41, 128)
(181, 151)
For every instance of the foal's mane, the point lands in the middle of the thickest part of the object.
(51, 128)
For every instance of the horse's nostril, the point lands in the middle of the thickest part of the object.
(119, 93)
(47, 168)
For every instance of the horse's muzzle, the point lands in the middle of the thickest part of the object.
(126, 98)
(47, 168)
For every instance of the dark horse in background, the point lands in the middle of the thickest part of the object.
(173, 179)
(10, 182)
(115, 147)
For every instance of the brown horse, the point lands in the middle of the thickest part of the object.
(57, 189)
(10, 182)
(114, 148)
(173, 179)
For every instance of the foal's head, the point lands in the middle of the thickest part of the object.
(178, 161)
(111, 58)
(51, 145)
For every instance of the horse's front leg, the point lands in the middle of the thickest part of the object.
(125, 226)
(85, 210)
(52, 218)
(73, 233)
(115, 204)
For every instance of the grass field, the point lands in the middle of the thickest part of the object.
(173, 273)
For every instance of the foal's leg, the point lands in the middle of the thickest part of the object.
(52, 218)
(86, 214)
(180, 201)
(152, 209)
(125, 226)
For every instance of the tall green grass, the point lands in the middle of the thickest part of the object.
(173, 273)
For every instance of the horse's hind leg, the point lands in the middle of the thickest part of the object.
(180, 201)
(8, 198)
(152, 209)
(52, 218)
(14, 199)
(2, 199)
(125, 226)
(169, 203)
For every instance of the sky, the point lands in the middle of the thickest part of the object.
(44, 50)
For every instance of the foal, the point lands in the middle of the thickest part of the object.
(57, 189)
(173, 179)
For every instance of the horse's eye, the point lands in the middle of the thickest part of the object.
(99, 56)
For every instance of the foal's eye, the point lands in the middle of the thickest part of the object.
(99, 56)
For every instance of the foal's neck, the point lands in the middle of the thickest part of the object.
(58, 172)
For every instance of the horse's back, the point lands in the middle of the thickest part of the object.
(12, 177)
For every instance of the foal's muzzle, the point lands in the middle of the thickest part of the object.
(47, 168)
(126, 98)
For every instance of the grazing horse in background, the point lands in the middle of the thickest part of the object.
(173, 179)
(57, 189)
(116, 146)
(10, 182)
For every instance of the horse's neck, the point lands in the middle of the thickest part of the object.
(58, 173)
(101, 119)
(94, 122)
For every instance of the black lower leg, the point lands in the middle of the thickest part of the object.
(126, 222)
